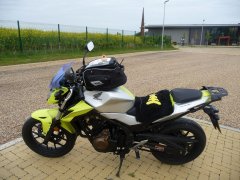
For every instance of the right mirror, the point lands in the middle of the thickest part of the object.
(90, 46)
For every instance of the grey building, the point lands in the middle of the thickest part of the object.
(219, 34)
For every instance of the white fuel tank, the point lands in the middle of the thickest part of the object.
(118, 100)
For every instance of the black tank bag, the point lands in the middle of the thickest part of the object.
(104, 77)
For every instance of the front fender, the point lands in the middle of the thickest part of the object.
(45, 116)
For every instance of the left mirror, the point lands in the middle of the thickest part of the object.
(90, 46)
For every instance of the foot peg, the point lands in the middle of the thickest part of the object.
(135, 148)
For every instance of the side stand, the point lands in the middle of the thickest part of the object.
(122, 156)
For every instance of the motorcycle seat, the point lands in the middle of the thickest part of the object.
(152, 107)
(185, 95)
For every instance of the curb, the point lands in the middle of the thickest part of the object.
(10, 143)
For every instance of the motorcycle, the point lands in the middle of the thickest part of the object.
(94, 104)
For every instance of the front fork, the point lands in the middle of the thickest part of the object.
(56, 120)
(212, 111)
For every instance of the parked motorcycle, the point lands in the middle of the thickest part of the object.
(94, 104)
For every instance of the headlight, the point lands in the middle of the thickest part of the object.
(56, 94)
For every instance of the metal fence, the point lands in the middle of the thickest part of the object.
(21, 36)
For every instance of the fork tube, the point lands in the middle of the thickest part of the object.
(55, 121)
(59, 114)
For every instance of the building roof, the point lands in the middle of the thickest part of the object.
(190, 25)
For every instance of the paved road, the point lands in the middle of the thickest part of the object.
(24, 88)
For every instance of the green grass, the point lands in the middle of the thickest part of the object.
(42, 56)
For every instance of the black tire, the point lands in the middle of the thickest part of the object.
(178, 128)
(61, 141)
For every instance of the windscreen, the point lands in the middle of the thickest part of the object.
(55, 83)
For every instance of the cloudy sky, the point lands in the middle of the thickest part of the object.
(120, 14)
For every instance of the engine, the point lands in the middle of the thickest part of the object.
(98, 131)
(104, 135)
(101, 141)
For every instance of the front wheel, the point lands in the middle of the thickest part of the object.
(60, 143)
(187, 129)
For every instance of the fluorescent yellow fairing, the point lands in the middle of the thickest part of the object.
(52, 99)
(45, 116)
(77, 110)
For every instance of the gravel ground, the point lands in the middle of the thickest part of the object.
(24, 88)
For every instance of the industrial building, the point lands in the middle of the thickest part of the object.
(196, 34)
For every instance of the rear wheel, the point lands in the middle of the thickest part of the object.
(187, 129)
(60, 143)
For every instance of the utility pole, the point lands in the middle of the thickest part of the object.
(202, 33)
(142, 24)
(163, 22)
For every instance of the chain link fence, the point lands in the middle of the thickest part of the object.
(21, 36)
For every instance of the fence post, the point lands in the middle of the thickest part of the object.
(19, 37)
(59, 39)
(107, 37)
(122, 37)
(134, 38)
(144, 39)
(86, 33)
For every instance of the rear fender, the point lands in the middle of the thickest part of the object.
(46, 116)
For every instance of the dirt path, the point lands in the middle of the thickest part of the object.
(24, 88)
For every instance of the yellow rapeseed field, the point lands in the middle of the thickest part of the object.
(49, 40)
